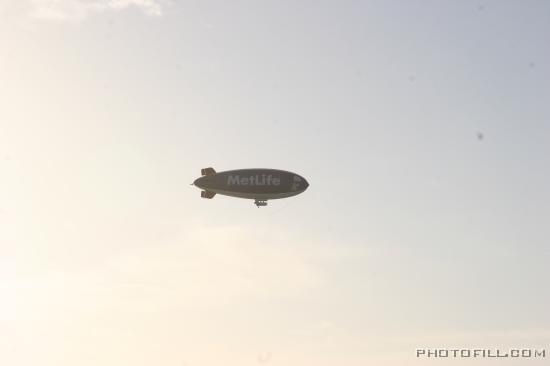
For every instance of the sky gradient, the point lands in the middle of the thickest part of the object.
(414, 232)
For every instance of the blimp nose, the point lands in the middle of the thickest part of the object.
(306, 184)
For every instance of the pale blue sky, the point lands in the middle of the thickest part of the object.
(413, 233)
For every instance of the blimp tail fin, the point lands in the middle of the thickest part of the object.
(208, 171)
(207, 194)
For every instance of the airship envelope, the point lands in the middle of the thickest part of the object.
(260, 185)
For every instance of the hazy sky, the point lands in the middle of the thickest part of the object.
(413, 233)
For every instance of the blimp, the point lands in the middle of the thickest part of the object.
(258, 184)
